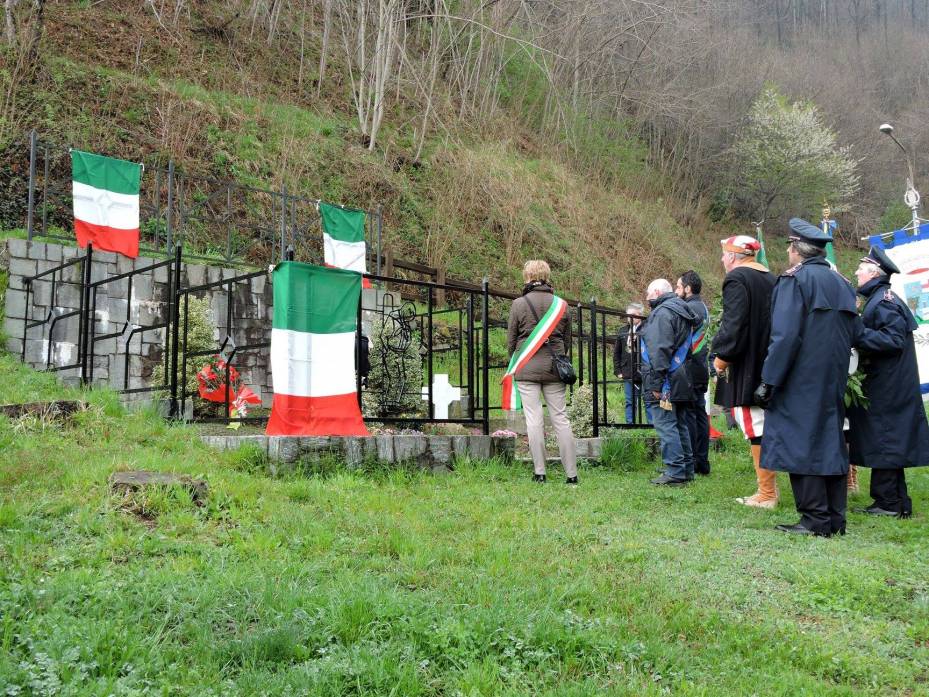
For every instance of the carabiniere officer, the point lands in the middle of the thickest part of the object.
(813, 326)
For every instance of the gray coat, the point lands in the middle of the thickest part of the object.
(520, 326)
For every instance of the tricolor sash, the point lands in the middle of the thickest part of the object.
(677, 360)
(533, 343)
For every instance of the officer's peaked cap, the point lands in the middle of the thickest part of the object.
(878, 257)
(802, 231)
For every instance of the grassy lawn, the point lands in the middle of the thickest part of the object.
(475, 583)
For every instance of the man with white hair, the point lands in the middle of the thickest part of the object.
(891, 433)
(666, 345)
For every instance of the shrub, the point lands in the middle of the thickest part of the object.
(580, 412)
(396, 375)
(201, 331)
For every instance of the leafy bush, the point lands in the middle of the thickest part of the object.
(580, 412)
(200, 337)
(396, 375)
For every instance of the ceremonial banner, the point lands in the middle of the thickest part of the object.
(313, 352)
(106, 202)
(910, 252)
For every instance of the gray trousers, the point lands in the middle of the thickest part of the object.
(531, 395)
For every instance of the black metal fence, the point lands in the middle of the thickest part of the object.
(214, 219)
(415, 340)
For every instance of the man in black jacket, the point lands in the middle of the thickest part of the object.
(740, 346)
(666, 337)
(688, 289)
(627, 354)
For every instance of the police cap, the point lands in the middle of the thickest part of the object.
(878, 257)
(802, 231)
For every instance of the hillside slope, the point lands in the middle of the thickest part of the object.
(482, 198)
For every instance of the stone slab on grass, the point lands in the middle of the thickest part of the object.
(136, 480)
(58, 410)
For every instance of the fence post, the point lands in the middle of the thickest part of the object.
(471, 379)
(82, 331)
(594, 369)
(580, 344)
(30, 212)
(283, 217)
(169, 215)
(485, 354)
(175, 329)
(380, 229)
(429, 364)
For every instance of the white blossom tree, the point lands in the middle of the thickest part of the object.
(787, 160)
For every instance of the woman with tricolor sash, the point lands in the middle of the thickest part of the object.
(539, 329)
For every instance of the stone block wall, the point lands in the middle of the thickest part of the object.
(242, 312)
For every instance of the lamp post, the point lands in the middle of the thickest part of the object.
(911, 197)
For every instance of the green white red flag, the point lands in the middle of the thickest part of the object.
(313, 352)
(541, 332)
(344, 238)
(106, 202)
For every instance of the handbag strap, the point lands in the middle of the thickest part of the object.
(537, 322)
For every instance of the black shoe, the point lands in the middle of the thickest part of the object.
(665, 480)
(703, 473)
(538, 478)
(878, 511)
(571, 480)
(796, 529)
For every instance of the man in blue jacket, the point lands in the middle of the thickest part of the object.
(688, 289)
(666, 386)
(891, 433)
(813, 327)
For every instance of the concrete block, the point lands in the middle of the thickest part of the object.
(23, 267)
(582, 447)
(37, 250)
(13, 345)
(17, 248)
(105, 257)
(504, 447)
(196, 275)
(118, 289)
(481, 447)
(53, 253)
(124, 264)
(460, 446)
(15, 303)
(68, 295)
(410, 447)
(594, 447)
(142, 287)
(229, 273)
(41, 294)
(385, 448)
(440, 449)
(13, 327)
(315, 444)
(283, 449)
(353, 449)
(160, 275)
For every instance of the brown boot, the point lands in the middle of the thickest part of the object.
(767, 495)
(853, 479)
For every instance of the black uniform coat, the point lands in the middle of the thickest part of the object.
(667, 327)
(892, 432)
(744, 332)
(813, 326)
(698, 366)
(627, 354)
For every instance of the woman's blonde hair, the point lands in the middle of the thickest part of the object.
(536, 270)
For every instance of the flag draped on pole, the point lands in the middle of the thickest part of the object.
(106, 202)
(829, 227)
(313, 352)
(761, 257)
(533, 343)
(343, 237)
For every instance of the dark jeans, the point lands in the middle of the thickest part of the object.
(888, 488)
(633, 395)
(675, 441)
(821, 502)
(698, 426)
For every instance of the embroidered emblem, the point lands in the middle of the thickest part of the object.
(889, 296)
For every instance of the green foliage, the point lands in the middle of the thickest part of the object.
(625, 453)
(201, 332)
(787, 159)
(396, 375)
(895, 216)
(581, 410)
(854, 391)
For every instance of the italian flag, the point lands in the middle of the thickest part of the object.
(533, 343)
(106, 202)
(344, 238)
(313, 352)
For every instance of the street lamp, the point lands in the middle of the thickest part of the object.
(911, 197)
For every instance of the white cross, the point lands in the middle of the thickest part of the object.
(443, 394)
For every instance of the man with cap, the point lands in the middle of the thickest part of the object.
(814, 323)
(740, 346)
(892, 433)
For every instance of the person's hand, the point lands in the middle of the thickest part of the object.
(720, 365)
(762, 396)
(619, 375)
(657, 395)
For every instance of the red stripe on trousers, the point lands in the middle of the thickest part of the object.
(336, 415)
(107, 239)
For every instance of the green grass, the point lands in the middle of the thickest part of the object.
(476, 583)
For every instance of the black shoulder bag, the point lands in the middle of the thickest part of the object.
(560, 364)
